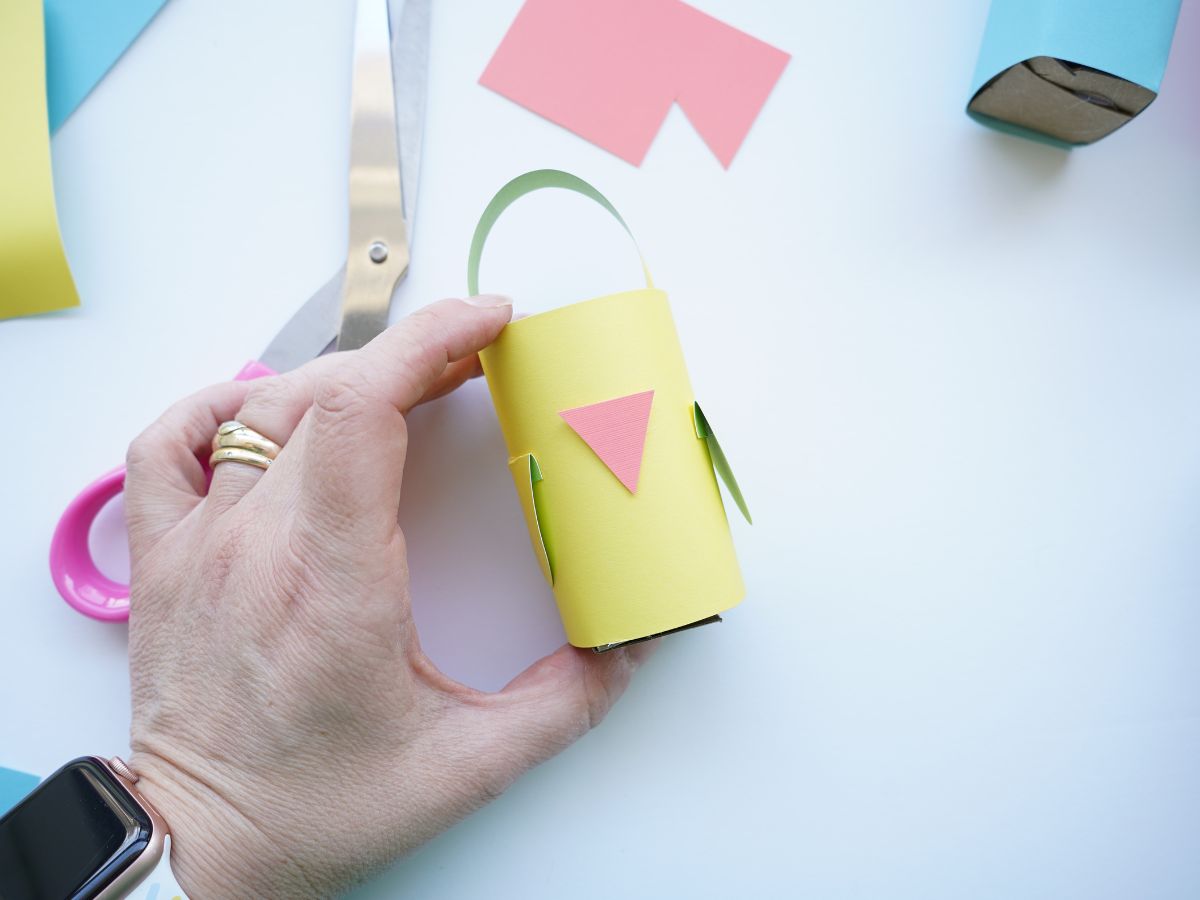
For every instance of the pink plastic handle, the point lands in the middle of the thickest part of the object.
(75, 574)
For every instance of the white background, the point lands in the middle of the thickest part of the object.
(956, 373)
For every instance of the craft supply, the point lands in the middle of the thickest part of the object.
(380, 226)
(378, 241)
(1071, 71)
(51, 58)
(84, 38)
(34, 275)
(609, 71)
(612, 460)
(14, 786)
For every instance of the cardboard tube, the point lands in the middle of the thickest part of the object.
(1071, 71)
(624, 564)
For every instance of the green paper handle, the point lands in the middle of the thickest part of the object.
(519, 187)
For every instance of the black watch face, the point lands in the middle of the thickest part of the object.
(71, 837)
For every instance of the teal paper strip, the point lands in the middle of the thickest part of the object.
(84, 38)
(1126, 38)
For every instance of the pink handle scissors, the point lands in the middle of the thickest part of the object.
(76, 575)
(352, 307)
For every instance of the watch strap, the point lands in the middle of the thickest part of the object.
(160, 884)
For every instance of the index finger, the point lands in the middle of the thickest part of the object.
(354, 438)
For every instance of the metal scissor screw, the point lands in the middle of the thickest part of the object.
(378, 252)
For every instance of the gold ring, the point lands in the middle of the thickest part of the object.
(235, 434)
(237, 454)
(248, 440)
(235, 442)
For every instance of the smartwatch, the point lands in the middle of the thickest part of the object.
(85, 832)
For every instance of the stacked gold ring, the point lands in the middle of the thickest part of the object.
(235, 442)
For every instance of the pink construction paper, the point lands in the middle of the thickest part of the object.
(616, 432)
(725, 77)
(609, 71)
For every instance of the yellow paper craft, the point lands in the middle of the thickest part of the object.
(34, 276)
(631, 552)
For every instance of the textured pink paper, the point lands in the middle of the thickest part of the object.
(609, 71)
(616, 432)
(724, 77)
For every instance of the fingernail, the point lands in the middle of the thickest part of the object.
(489, 300)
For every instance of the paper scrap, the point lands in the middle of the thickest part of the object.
(719, 462)
(84, 38)
(609, 71)
(616, 432)
(34, 276)
(526, 474)
(14, 786)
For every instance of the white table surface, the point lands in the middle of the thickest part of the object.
(956, 373)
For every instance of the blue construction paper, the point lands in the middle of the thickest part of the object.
(83, 40)
(14, 786)
(1126, 38)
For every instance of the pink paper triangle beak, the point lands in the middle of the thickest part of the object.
(616, 432)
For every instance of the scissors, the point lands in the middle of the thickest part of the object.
(391, 68)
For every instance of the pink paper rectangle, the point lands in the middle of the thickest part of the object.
(609, 71)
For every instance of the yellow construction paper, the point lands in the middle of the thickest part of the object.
(625, 566)
(34, 276)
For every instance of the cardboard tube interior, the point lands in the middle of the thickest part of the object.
(1061, 100)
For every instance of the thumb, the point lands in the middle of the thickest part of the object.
(552, 704)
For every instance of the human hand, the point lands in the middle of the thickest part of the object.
(285, 721)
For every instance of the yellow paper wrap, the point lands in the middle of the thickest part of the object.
(623, 565)
(34, 276)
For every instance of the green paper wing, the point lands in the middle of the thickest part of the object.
(719, 462)
(526, 474)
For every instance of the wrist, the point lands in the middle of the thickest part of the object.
(216, 850)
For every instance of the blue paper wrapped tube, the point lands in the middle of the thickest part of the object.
(1041, 58)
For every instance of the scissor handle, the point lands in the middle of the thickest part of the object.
(76, 575)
